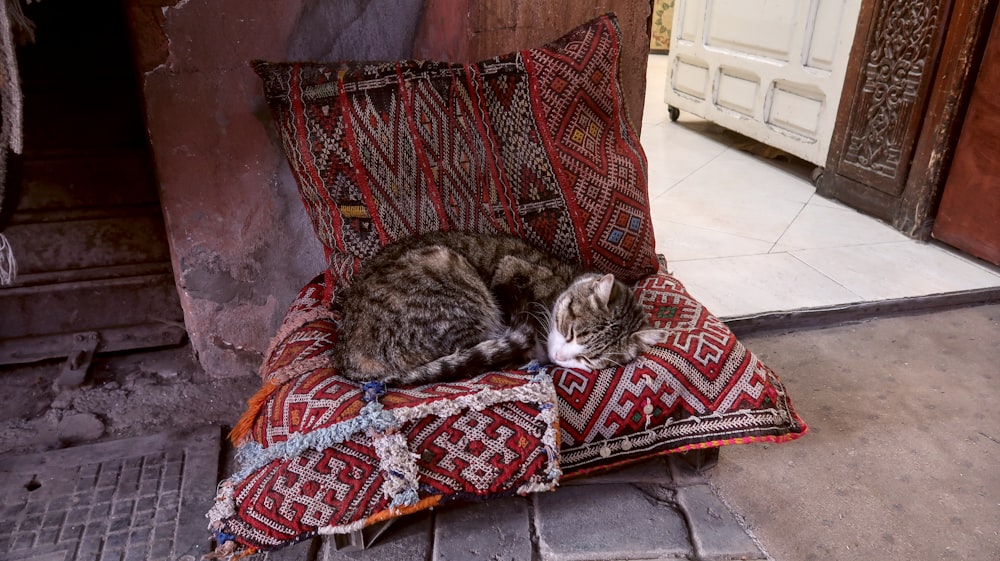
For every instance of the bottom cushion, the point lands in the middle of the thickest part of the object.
(321, 454)
(700, 388)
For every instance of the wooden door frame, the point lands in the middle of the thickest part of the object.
(940, 75)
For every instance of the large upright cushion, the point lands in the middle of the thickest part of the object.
(536, 143)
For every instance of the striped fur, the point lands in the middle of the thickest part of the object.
(449, 305)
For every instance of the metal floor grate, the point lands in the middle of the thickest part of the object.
(134, 499)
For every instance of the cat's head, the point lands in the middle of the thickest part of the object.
(596, 323)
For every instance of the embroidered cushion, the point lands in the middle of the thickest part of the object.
(318, 458)
(701, 388)
(535, 143)
(321, 454)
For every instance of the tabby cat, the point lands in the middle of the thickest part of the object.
(443, 305)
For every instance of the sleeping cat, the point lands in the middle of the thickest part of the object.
(443, 305)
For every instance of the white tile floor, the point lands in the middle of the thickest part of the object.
(748, 235)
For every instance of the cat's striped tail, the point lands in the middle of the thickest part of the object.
(513, 347)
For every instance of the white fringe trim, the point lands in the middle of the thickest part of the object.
(400, 468)
(373, 417)
(224, 507)
(395, 458)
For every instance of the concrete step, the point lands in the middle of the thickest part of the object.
(92, 305)
(89, 242)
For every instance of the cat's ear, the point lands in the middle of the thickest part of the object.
(650, 337)
(602, 288)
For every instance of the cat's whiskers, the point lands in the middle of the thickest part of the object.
(614, 363)
(541, 314)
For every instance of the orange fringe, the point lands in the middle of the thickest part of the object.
(241, 431)
(247, 553)
(423, 504)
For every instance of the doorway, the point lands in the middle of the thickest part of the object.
(94, 270)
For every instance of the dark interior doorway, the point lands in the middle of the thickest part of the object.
(88, 232)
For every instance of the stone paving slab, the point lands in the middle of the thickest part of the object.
(133, 499)
(605, 522)
(658, 510)
(497, 530)
(408, 539)
(715, 532)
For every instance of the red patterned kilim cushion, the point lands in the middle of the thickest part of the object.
(535, 143)
(698, 389)
(320, 454)
(318, 458)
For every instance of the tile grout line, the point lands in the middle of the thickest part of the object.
(686, 177)
(715, 231)
(828, 277)
(932, 244)
(785, 231)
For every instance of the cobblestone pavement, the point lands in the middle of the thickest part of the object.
(900, 465)
(659, 509)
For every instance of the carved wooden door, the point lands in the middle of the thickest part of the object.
(902, 104)
(772, 70)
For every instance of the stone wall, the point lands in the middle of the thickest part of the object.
(240, 240)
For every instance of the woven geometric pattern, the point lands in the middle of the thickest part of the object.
(324, 454)
(314, 461)
(701, 387)
(535, 143)
(340, 486)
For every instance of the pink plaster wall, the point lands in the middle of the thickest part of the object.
(241, 244)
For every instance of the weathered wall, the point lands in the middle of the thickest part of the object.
(241, 244)
(240, 241)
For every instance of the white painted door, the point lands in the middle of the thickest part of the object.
(769, 69)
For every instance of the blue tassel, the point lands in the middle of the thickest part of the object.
(541, 374)
(372, 390)
(222, 537)
(406, 498)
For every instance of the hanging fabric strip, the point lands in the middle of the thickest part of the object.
(8, 265)
(10, 83)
